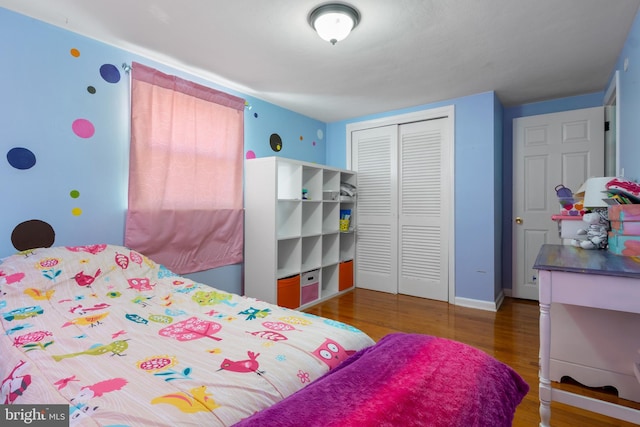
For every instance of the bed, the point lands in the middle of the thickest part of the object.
(125, 342)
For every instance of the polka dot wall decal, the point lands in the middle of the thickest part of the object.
(91, 89)
(32, 234)
(74, 194)
(250, 154)
(276, 142)
(76, 211)
(83, 128)
(21, 158)
(255, 115)
(74, 52)
(301, 137)
(320, 134)
(110, 73)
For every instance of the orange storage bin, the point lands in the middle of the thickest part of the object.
(345, 276)
(289, 292)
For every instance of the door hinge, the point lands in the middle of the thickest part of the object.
(606, 126)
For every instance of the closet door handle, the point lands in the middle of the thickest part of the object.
(518, 220)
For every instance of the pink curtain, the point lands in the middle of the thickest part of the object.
(185, 173)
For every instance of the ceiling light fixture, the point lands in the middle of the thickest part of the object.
(334, 21)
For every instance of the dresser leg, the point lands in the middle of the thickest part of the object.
(545, 405)
(544, 390)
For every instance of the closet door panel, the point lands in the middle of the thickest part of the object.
(421, 243)
(375, 160)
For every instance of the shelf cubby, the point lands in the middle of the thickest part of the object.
(330, 248)
(289, 218)
(289, 257)
(347, 246)
(329, 285)
(330, 217)
(289, 180)
(311, 217)
(311, 253)
(312, 182)
(331, 180)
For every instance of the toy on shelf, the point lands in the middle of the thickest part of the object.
(625, 191)
(594, 233)
(570, 205)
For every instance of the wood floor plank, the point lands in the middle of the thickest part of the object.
(510, 335)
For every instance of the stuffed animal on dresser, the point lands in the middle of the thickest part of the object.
(594, 232)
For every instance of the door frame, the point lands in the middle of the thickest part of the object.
(446, 112)
(611, 101)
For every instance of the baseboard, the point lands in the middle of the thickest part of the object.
(480, 304)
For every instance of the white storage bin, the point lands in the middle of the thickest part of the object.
(309, 286)
(568, 226)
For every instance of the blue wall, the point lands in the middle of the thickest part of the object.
(78, 184)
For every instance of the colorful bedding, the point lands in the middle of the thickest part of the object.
(405, 380)
(125, 342)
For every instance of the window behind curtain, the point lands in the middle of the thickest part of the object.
(185, 174)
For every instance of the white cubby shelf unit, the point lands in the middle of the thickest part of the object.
(292, 226)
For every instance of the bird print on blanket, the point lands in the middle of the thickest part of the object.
(213, 298)
(115, 348)
(39, 295)
(91, 320)
(248, 365)
(85, 280)
(196, 400)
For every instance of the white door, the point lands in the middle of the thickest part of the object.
(375, 159)
(422, 210)
(402, 235)
(549, 149)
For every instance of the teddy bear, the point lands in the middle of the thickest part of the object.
(595, 232)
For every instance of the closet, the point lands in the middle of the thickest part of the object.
(405, 203)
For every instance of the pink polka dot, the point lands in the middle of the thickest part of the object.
(83, 128)
(250, 155)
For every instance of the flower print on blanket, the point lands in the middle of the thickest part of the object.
(192, 329)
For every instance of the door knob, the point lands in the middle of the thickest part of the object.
(518, 220)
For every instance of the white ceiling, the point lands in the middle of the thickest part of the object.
(404, 52)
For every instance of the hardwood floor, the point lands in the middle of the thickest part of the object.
(510, 335)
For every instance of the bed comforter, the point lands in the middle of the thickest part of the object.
(125, 342)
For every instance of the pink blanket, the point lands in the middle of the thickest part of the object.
(405, 380)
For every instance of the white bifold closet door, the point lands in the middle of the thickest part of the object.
(402, 235)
